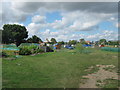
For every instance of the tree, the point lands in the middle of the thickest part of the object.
(102, 41)
(34, 39)
(72, 42)
(96, 42)
(53, 40)
(113, 42)
(13, 33)
(29, 40)
(61, 42)
(6, 37)
(82, 41)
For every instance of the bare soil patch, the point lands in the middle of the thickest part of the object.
(101, 75)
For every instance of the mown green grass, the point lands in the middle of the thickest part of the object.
(62, 69)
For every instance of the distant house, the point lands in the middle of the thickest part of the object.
(46, 46)
(88, 42)
(46, 43)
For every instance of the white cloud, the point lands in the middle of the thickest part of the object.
(16, 23)
(47, 32)
(33, 28)
(112, 18)
(18, 11)
(77, 21)
(69, 24)
(38, 19)
(76, 17)
(107, 34)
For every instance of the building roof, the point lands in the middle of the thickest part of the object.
(88, 41)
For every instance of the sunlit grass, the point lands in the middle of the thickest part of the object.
(62, 69)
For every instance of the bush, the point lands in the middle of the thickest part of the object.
(3, 54)
(25, 51)
(32, 47)
(39, 50)
(79, 48)
(9, 52)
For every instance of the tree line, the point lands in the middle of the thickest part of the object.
(13, 33)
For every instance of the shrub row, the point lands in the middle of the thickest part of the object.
(79, 48)
(27, 50)
(3, 54)
(9, 52)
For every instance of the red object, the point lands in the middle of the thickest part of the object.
(102, 46)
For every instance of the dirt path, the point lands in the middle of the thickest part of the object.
(102, 74)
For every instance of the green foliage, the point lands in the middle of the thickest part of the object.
(110, 83)
(34, 39)
(102, 41)
(9, 52)
(96, 42)
(53, 70)
(25, 44)
(53, 40)
(61, 42)
(29, 40)
(72, 42)
(13, 33)
(27, 50)
(3, 54)
(39, 51)
(79, 48)
(32, 47)
(82, 41)
(113, 42)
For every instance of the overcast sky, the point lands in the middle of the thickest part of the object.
(64, 20)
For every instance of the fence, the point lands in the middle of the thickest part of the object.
(9, 47)
(110, 49)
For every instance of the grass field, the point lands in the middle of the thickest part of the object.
(63, 69)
